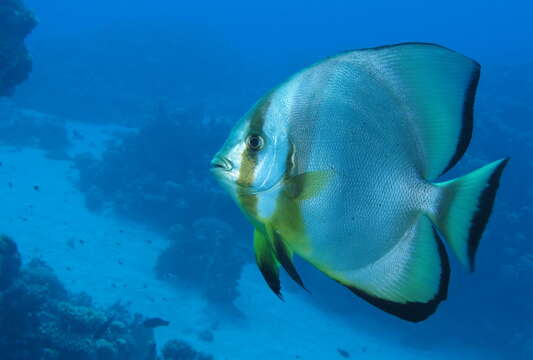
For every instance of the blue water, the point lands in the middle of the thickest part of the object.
(129, 100)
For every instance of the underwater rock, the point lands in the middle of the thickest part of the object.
(9, 262)
(16, 22)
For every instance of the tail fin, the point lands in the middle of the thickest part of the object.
(465, 208)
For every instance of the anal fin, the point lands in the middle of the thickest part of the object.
(410, 280)
(306, 185)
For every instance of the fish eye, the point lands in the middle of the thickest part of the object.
(255, 142)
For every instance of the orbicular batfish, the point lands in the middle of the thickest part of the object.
(341, 163)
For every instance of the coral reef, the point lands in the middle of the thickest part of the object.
(16, 22)
(28, 128)
(47, 322)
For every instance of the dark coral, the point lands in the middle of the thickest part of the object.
(209, 259)
(47, 322)
(16, 22)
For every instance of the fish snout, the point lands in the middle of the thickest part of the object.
(222, 163)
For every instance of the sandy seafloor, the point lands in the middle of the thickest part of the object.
(117, 259)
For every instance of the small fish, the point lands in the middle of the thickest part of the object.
(36, 187)
(343, 353)
(155, 322)
(341, 163)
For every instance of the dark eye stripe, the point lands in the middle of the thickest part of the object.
(249, 158)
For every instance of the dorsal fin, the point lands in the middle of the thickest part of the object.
(436, 89)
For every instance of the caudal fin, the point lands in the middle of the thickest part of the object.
(465, 208)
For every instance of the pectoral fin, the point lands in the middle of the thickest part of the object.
(438, 87)
(307, 185)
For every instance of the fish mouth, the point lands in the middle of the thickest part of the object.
(223, 171)
(221, 164)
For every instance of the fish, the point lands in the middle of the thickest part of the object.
(345, 354)
(341, 165)
(155, 322)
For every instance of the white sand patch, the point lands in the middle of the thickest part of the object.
(113, 259)
(109, 258)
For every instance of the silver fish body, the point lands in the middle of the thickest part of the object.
(339, 165)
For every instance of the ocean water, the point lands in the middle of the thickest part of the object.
(105, 186)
